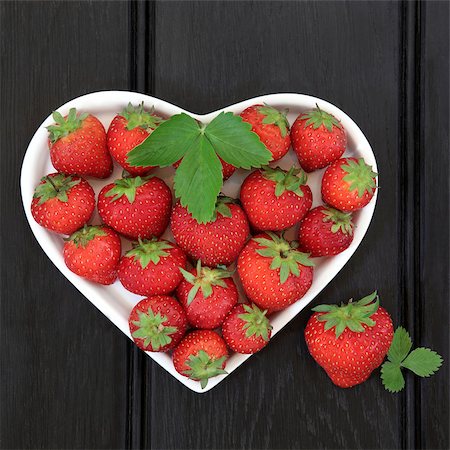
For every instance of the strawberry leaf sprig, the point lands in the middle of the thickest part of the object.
(198, 178)
(422, 361)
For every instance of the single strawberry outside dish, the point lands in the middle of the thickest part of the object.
(136, 207)
(350, 341)
(62, 203)
(274, 199)
(152, 267)
(216, 242)
(207, 295)
(157, 324)
(246, 329)
(127, 130)
(272, 127)
(325, 231)
(348, 184)
(274, 274)
(93, 252)
(318, 139)
(77, 145)
(201, 355)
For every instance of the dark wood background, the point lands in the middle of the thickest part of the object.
(70, 379)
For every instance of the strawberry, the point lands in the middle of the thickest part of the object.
(207, 295)
(78, 145)
(127, 130)
(271, 126)
(246, 329)
(318, 139)
(216, 242)
(62, 203)
(227, 169)
(349, 341)
(201, 355)
(152, 267)
(136, 207)
(348, 184)
(157, 324)
(273, 273)
(325, 231)
(274, 199)
(93, 252)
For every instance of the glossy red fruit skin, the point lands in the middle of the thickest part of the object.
(155, 279)
(350, 359)
(269, 134)
(146, 217)
(234, 334)
(227, 169)
(336, 191)
(208, 313)
(214, 243)
(166, 306)
(262, 284)
(315, 235)
(266, 211)
(121, 141)
(316, 148)
(83, 152)
(206, 340)
(66, 217)
(97, 261)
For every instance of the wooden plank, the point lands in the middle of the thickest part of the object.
(64, 365)
(210, 54)
(433, 239)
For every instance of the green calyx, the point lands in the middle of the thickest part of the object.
(149, 251)
(352, 315)
(275, 117)
(127, 187)
(54, 186)
(205, 279)
(256, 322)
(137, 116)
(202, 367)
(152, 330)
(340, 221)
(64, 126)
(222, 207)
(284, 255)
(317, 117)
(83, 236)
(360, 176)
(286, 181)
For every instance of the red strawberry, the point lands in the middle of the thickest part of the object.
(207, 296)
(62, 203)
(227, 169)
(129, 129)
(93, 253)
(78, 145)
(201, 355)
(273, 273)
(274, 199)
(318, 139)
(349, 341)
(348, 184)
(216, 242)
(136, 207)
(271, 126)
(246, 329)
(325, 231)
(152, 267)
(157, 324)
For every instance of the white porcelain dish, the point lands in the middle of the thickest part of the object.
(114, 301)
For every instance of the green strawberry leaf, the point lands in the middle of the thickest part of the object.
(400, 346)
(392, 377)
(423, 362)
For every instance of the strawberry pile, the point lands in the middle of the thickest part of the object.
(191, 303)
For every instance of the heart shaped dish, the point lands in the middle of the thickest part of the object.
(114, 301)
